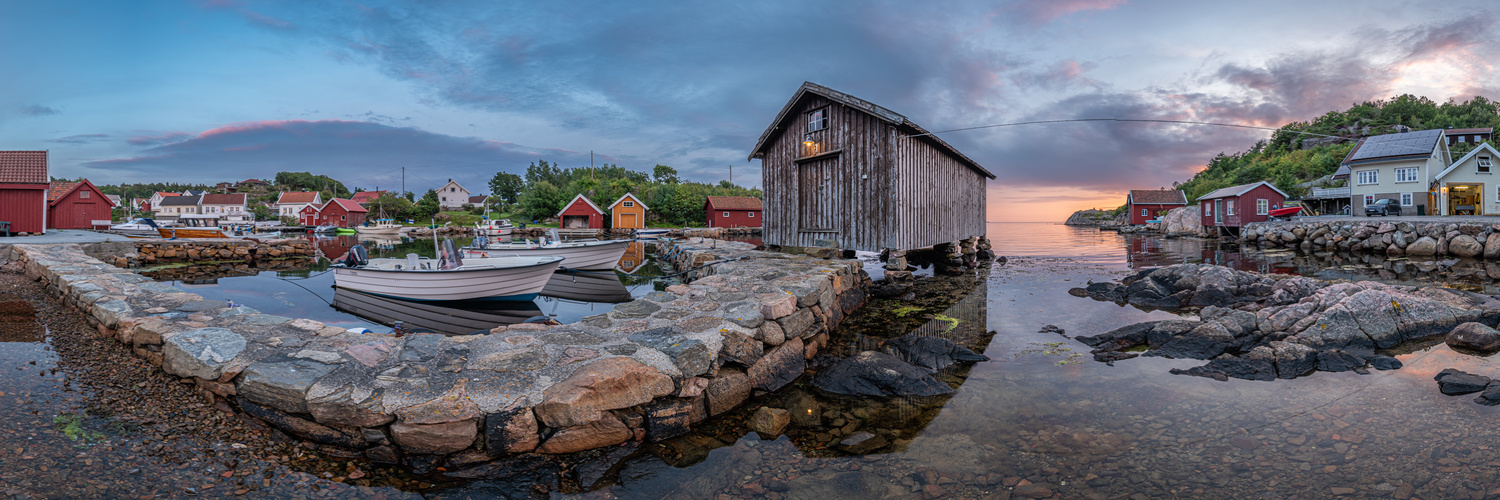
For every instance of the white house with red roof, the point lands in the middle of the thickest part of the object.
(291, 203)
(229, 207)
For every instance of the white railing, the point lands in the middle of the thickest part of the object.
(1329, 192)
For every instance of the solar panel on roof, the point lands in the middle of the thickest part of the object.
(1403, 144)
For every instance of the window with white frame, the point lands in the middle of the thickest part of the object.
(1363, 177)
(1406, 199)
(628, 204)
(1369, 199)
(752, 215)
(1406, 174)
(726, 214)
(1229, 208)
(1143, 213)
(817, 120)
(1208, 208)
(1484, 165)
(1262, 206)
(83, 194)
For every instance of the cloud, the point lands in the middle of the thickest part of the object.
(1038, 12)
(79, 139)
(36, 110)
(357, 153)
(157, 140)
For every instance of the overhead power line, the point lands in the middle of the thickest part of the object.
(1134, 120)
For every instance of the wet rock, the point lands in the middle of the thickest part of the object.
(1339, 360)
(607, 430)
(797, 323)
(778, 367)
(434, 439)
(769, 421)
(1034, 490)
(871, 373)
(281, 382)
(607, 384)
(742, 349)
(1292, 359)
(201, 353)
(933, 353)
(303, 428)
(511, 431)
(727, 390)
(1108, 292)
(857, 484)
(690, 356)
(1454, 382)
(383, 454)
(672, 417)
(1465, 245)
(1382, 362)
(1474, 336)
(861, 443)
(1490, 396)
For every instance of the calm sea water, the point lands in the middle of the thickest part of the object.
(1039, 415)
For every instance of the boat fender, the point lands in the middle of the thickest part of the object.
(359, 330)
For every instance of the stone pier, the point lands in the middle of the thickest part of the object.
(647, 370)
(1438, 237)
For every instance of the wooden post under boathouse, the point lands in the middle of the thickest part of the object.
(841, 172)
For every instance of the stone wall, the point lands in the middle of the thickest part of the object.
(648, 369)
(1420, 239)
(150, 252)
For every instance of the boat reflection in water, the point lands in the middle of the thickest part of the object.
(450, 318)
(586, 286)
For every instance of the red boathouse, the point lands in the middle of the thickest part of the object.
(581, 214)
(1235, 206)
(341, 213)
(23, 191)
(75, 205)
(733, 211)
(1152, 204)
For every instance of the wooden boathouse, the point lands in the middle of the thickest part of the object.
(841, 172)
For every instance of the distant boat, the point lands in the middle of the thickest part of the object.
(194, 226)
(495, 227)
(143, 227)
(381, 226)
(448, 278)
(325, 229)
(580, 254)
(452, 318)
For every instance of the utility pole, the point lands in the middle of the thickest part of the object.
(403, 181)
(731, 174)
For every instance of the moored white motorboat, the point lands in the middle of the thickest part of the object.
(495, 227)
(421, 278)
(650, 234)
(381, 226)
(139, 227)
(580, 254)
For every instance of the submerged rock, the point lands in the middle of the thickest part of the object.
(934, 353)
(1454, 382)
(871, 373)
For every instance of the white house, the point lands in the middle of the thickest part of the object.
(452, 196)
(291, 203)
(229, 207)
(175, 206)
(1469, 187)
(1397, 166)
(158, 196)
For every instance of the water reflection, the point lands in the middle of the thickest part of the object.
(451, 318)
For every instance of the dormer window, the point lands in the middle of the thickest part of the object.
(817, 120)
(1484, 164)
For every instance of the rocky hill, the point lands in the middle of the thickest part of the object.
(1093, 217)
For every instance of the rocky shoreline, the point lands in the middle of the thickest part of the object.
(1263, 327)
(1415, 239)
(649, 369)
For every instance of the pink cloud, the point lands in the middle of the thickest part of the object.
(1044, 11)
(157, 140)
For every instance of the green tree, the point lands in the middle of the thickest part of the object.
(262, 211)
(663, 174)
(541, 200)
(427, 207)
(506, 186)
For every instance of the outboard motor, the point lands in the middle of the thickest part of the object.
(480, 242)
(357, 257)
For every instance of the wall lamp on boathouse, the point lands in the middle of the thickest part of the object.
(807, 140)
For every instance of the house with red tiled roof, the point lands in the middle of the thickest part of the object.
(1151, 204)
(733, 211)
(23, 191)
(338, 211)
(76, 205)
(364, 197)
(229, 207)
(291, 203)
(156, 198)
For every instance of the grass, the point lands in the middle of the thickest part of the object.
(71, 425)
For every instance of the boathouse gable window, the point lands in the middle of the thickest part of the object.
(1484, 165)
(1368, 177)
(752, 215)
(83, 195)
(726, 214)
(1406, 175)
(1406, 199)
(1262, 206)
(1229, 208)
(628, 204)
(817, 119)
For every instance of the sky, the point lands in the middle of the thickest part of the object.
(225, 90)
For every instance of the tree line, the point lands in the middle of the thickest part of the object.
(545, 188)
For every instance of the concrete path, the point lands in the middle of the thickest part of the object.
(55, 236)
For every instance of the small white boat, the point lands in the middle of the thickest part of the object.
(650, 234)
(381, 226)
(452, 318)
(580, 254)
(143, 227)
(325, 229)
(455, 278)
(495, 227)
(193, 226)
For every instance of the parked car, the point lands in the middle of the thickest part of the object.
(1383, 206)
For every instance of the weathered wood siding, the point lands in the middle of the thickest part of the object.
(835, 192)
(937, 198)
(865, 185)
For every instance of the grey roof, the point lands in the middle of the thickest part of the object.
(1342, 172)
(174, 201)
(1233, 191)
(1392, 146)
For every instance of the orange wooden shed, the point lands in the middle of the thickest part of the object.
(628, 213)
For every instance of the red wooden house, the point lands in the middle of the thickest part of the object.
(581, 214)
(1235, 206)
(75, 205)
(733, 211)
(23, 191)
(341, 213)
(308, 216)
(365, 197)
(1152, 204)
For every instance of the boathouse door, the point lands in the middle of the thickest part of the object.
(817, 200)
(1219, 211)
